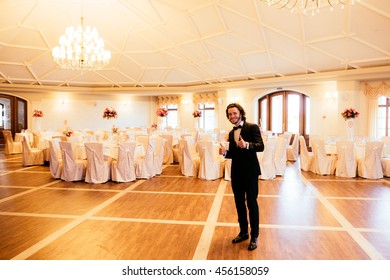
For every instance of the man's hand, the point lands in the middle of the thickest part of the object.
(222, 149)
(241, 143)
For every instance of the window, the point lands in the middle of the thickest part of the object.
(171, 119)
(285, 111)
(383, 116)
(207, 120)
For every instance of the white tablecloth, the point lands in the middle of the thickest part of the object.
(109, 150)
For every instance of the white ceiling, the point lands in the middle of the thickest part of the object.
(170, 43)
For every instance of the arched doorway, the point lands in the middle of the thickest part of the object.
(282, 111)
(13, 115)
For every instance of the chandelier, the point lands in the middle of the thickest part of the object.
(81, 49)
(307, 6)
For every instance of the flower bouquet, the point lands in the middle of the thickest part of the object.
(162, 112)
(154, 126)
(37, 114)
(67, 132)
(197, 114)
(350, 114)
(114, 129)
(110, 113)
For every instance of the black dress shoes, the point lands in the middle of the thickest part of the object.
(252, 244)
(240, 237)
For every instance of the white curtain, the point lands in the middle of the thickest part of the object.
(373, 91)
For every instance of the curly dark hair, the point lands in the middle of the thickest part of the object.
(239, 107)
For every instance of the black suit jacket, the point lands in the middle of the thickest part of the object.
(244, 161)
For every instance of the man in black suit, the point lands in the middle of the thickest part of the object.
(244, 141)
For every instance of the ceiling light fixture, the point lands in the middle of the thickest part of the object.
(81, 49)
(307, 6)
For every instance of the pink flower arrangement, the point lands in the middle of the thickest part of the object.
(110, 113)
(37, 114)
(68, 132)
(350, 114)
(162, 112)
(197, 114)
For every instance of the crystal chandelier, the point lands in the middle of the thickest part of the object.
(307, 6)
(81, 49)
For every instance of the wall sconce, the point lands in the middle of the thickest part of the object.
(185, 102)
(126, 103)
(64, 101)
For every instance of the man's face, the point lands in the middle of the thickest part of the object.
(234, 115)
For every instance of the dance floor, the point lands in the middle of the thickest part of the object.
(171, 217)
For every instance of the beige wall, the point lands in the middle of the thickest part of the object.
(328, 100)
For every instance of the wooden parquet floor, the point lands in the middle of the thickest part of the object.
(171, 217)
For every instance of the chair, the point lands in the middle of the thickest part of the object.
(55, 159)
(280, 156)
(31, 156)
(11, 147)
(293, 149)
(168, 149)
(72, 169)
(370, 166)
(123, 169)
(386, 146)
(189, 163)
(322, 164)
(210, 164)
(346, 163)
(306, 157)
(267, 160)
(98, 169)
(159, 155)
(228, 167)
(144, 167)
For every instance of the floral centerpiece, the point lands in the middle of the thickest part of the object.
(162, 112)
(154, 126)
(110, 113)
(114, 129)
(68, 132)
(350, 114)
(197, 114)
(37, 114)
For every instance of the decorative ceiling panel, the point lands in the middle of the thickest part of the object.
(172, 43)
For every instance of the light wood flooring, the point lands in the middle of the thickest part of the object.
(302, 217)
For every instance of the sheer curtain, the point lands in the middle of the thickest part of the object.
(373, 92)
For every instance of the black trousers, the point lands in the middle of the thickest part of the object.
(246, 190)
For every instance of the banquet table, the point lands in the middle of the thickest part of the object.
(359, 150)
(109, 150)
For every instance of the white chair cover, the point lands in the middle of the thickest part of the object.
(386, 146)
(72, 170)
(159, 155)
(55, 159)
(370, 166)
(293, 149)
(31, 156)
(267, 160)
(190, 161)
(346, 163)
(168, 149)
(123, 169)
(306, 157)
(211, 164)
(228, 166)
(98, 169)
(280, 156)
(144, 167)
(322, 164)
(11, 147)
